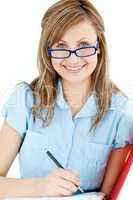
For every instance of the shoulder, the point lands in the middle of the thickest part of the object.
(121, 104)
(19, 99)
(16, 109)
(22, 87)
(21, 95)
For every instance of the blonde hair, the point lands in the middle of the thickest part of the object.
(58, 19)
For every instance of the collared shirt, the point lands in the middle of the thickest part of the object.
(69, 138)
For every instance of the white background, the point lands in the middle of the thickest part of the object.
(19, 36)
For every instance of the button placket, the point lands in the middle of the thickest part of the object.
(72, 128)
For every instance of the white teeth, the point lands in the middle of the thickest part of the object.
(74, 69)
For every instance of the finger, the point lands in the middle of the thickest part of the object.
(63, 191)
(73, 177)
(67, 185)
(68, 175)
(76, 172)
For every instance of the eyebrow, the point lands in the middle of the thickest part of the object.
(84, 38)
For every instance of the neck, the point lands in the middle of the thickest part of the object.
(76, 93)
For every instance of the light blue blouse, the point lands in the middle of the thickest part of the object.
(69, 139)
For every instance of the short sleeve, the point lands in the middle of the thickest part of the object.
(124, 133)
(16, 109)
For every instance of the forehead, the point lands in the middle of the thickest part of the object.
(80, 30)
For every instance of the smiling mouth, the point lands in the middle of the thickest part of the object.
(74, 69)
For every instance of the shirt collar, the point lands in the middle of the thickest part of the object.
(88, 109)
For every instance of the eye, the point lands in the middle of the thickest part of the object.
(60, 45)
(84, 44)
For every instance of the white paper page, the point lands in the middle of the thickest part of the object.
(84, 196)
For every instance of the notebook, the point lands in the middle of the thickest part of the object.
(82, 196)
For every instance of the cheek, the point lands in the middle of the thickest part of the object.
(92, 63)
(56, 64)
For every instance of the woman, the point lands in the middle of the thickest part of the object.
(72, 108)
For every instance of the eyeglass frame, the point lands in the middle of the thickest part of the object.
(73, 51)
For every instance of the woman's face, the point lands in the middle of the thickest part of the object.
(77, 36)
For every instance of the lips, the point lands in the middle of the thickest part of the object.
(74, 69)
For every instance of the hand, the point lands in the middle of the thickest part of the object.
(104, 196)
(60, 182)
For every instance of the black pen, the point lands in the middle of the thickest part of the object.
(59, 165)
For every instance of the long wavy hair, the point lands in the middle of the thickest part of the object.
(57, 19)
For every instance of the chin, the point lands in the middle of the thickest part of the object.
(75, 79)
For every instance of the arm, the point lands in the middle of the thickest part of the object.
(11, 186)
(114, 166)
(59, 182)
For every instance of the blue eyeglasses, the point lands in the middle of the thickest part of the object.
(86, 51)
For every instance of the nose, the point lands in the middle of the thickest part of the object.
(73, 59)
